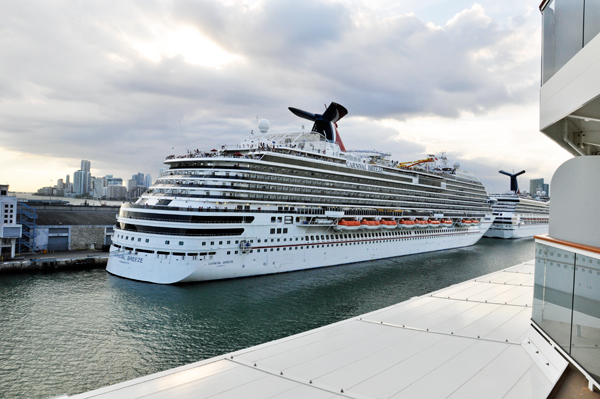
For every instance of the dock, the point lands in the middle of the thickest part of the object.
(470, 340)
(72, 260)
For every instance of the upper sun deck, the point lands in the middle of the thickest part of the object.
(319, 147)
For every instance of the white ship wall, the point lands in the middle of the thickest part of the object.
(279, 256)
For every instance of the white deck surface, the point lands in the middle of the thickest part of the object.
(470, 340)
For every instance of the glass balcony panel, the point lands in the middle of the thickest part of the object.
(553, 293)
(591, 25)
(568, 30)
(548, 20)
(585, 339)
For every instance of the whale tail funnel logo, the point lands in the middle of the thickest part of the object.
(514, 186)
(325, 123)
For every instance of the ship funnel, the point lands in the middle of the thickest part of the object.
(514, 186)
(325, 123)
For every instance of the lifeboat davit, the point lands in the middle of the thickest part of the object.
(433, 223)
(406, 224)
(388, 224)
(369, 224)
(348, 225)
(423, 224)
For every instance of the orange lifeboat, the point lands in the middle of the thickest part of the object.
(446, 222)
(433, 223)
(465, 223)
(423, 224)
(406, 224)
(369, 224)
(348, 225)
(388, 224)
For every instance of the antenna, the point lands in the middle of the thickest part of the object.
(182, 137)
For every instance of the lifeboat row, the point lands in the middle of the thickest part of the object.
(370, 224)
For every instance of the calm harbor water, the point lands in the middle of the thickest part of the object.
(71, 332)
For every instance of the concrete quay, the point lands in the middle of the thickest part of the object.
(72, 260)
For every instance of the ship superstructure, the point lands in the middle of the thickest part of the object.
(283, 202)
(518, 215)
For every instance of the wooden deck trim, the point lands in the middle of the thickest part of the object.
(546, 237)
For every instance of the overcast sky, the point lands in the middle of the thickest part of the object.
(120, 83)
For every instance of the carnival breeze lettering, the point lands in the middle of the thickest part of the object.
(364, 166)
(135, 259)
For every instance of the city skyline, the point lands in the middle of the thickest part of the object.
(85, 184)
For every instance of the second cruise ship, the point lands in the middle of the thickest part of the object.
(283, 202)
(517, 215)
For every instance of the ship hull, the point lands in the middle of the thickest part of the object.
(515, 231)
(279, 257)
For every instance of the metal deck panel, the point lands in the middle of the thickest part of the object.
(511, 295)
(260, 389)
(450, 376)
(502, 294)
(498, 377)
(324, 364)
(510, 278)
(212, 386)
(533, 384)
(297, 353)
(415, 306)
(375, 356)
(525, 267)
(420, 320)
(160, 381)
(462, 291)
(333, 331)
(515, 329)
(490, 322)
(474, 314)
(302, 391)
(406, 371)
(378, 362)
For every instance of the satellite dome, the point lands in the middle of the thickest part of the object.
(263, 125)
(456, 165)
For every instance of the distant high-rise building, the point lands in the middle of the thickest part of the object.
(59, 184)
(139, 179)
(115, 192)
(68, 181)
(114, 181)
(131, 183)
(85, 165)
(147, 181)
(79, 182)
(536, 185)
(98, 184)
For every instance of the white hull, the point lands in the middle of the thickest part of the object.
(279, 256)
(515, 231)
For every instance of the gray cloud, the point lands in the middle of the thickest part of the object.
(71, 85)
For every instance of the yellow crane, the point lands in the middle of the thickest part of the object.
(410, 164)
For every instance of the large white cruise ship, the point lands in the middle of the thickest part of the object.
(517, 215)
(283, 202)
